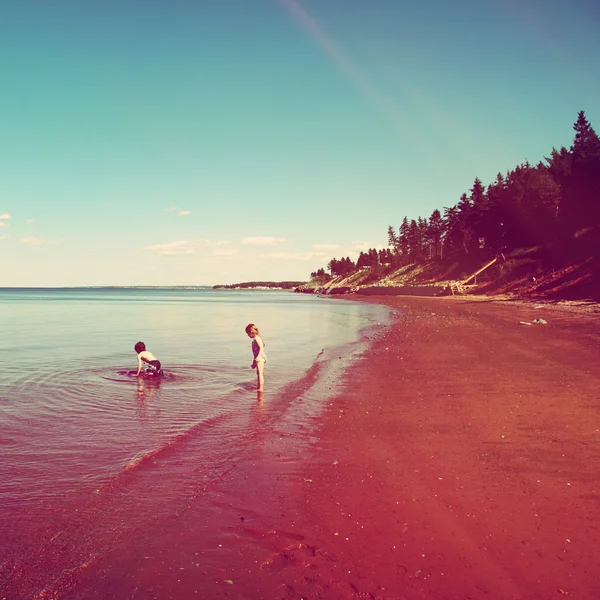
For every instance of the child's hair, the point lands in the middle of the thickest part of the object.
(252, 329)
(139, 347)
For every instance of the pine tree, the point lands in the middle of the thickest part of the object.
(494, 222)
(559, 165)
(476, 218)
(434, 233)
(393, 241)
(465, 232)
(404, 238)
(319, 274)
(385, 256)
(584, 184)
(414, 240)
(373, 258)
(586, 143)
(423, 238)
(451, 230)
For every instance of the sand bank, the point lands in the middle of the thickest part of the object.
(460, 461)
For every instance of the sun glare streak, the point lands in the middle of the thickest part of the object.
(343, 62)
(450, 136)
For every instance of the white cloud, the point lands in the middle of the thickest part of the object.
(31, 240)
(180, 212)
(303, 256)
(3, 237)
(217, 243)
(325, 247)
(263, 241)
(3, 224)
(4, 217)
(360, 246)
(174, 248)
(183, 247)
(29, 221)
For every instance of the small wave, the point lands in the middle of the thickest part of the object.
(79, 390)
(171, 445)
(131, 377)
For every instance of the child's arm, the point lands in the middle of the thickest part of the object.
(139, 364)
(261, 346)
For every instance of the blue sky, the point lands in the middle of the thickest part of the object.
(195, 142)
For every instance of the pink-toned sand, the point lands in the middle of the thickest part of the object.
(461, 461)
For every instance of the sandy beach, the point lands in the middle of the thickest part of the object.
(457, 460)
(460, 461)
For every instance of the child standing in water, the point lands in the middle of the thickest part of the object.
(258, 350)
(144, 356)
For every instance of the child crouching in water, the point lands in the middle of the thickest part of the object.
(258, 351)
(144, 356)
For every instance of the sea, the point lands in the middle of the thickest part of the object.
(96, 464)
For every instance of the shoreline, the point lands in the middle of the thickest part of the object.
(459, 462)
(456, 459)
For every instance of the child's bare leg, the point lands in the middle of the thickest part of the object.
(260, 379)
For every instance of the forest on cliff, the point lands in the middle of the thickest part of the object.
(549, 212)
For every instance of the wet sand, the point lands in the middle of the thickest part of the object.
(461, 461)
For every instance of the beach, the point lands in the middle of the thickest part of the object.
(461, 461)
(457, 458)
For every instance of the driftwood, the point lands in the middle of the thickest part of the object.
(459, 286)
(465, 281)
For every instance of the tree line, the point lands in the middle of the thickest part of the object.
(370, 258)
(531, 205)
(284, 285)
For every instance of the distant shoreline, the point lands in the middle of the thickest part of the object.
(283, 285)
(110, 287)
(262, 285)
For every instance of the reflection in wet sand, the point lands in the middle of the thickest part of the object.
(147, 397)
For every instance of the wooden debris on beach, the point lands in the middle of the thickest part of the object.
(458, 287)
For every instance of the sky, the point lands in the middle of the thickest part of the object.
(202, 142)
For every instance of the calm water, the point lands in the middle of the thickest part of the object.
(79, 437)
